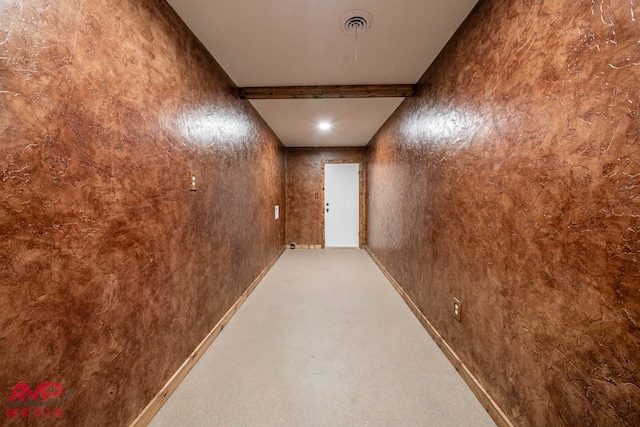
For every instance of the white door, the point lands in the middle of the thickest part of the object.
(341, 205)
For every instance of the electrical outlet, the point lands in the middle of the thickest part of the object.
(192, 181)
(457, 309)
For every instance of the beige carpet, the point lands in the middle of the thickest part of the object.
(324, 340)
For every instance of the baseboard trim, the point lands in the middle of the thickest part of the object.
(498, 416)
(170, 386)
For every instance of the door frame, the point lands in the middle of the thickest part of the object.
(362, 229)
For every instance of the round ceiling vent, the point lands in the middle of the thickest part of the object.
(356, 21)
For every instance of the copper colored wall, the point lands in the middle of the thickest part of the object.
(512, 181)
(111, 270)
(304, 180)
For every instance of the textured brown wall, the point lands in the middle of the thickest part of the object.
(304, 173)
(111, 270)
(512, 181)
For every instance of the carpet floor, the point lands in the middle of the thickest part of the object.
(324, 340)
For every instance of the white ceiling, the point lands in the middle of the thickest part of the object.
(300, 43)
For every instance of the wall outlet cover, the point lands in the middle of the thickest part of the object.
(457, 309)
(192, 181)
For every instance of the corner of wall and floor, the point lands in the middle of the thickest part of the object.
(510, 182)
(152, 408)
(112, 270)
(496, 413)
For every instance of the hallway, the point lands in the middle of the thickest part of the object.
(324, 340)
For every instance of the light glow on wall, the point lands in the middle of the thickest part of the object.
(211, 125)
(438, 126)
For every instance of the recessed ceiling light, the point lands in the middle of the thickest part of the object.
(324, 125)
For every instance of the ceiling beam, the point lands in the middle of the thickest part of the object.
(312, 92)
